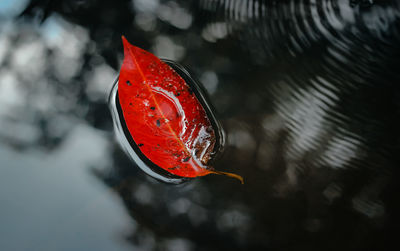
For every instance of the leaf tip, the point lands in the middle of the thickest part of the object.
(124, 40)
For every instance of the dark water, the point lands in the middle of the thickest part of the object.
(307, 92)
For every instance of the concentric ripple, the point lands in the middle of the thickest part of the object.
(296, 26)
(338, 88)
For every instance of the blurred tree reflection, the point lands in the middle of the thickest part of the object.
(309, 101)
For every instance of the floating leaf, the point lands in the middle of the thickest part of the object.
(164, 117)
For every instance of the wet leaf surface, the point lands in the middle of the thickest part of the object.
(165, 117)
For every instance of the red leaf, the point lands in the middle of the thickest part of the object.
(164, 116)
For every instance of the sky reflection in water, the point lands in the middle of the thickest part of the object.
(308, 97)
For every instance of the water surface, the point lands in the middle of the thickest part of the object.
(307, 92)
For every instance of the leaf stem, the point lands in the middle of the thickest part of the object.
(232, 175)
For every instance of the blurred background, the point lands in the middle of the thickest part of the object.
(307, 91)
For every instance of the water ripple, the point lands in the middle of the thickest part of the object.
(296, 26)
(339, 57)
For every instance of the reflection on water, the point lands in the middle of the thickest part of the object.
(308, 92)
